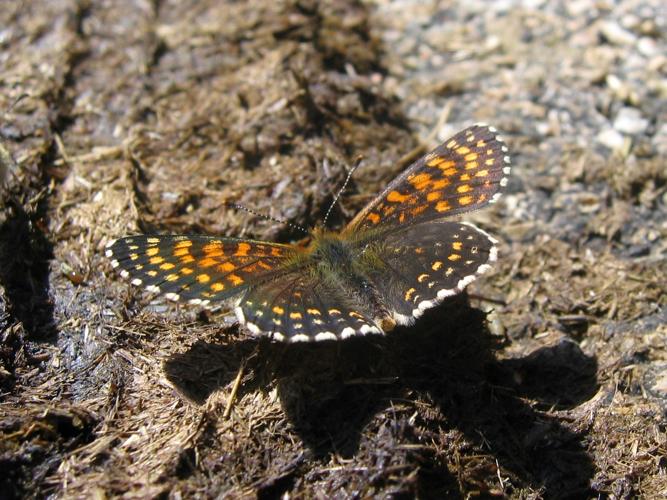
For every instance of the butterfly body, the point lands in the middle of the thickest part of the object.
(343, 264)
(397, 258)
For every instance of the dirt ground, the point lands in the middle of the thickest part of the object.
(548, 380)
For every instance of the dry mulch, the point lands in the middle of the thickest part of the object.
(549, 380)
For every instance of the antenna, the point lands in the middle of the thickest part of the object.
(340, 191)
(264, 216)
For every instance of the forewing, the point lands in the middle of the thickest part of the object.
(198, 269)
(462, 174)
(301, 306)
(419, 267)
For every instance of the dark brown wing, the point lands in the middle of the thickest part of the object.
(417, 268)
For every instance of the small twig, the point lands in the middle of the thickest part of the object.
(484, 298)
(235, 389)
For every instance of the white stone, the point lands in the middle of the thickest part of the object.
(611, 139)
(630, 121)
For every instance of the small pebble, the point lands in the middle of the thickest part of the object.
(611, 139)
(616, 35)
(630, 121)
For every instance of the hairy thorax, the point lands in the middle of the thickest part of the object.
(343, 265)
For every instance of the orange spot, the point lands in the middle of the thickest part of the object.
(152, 274)
(242, 250)
(278, 310)
(235, 279)
(419, 250)
(167, 266)
(457, 245)
(463, 150)
(443, 206)
(374, 218)
(203, 278)
(207, 262)
(396, 197)
(436, 265)
(465, 200)
(422, 277)
(263, 265)
(420, 181)
(481, 144)
(440, 184)
(451, 144)
(183, 244)
(217, 287)
(186, 259)
(482, 173)
(409, 293)
(401, 217)
(334, 311)
(454, 257)
(276, 252)
(470, 157)
(464, 177)
(463, 189)
(489, 162)
(226, 267)
(251, 268)
(449, 172)
(354, 314)
(186, 270)
(472, 164)
(295, 315)
(155, 260)
(417, 210)
(181, 251)
(172, 277)
(152, 251)
(481, 198)
(433, 195)
(435, 161)
(389, 210)
(314, 312)
(212, 250)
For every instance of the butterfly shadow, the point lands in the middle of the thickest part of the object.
(331, 391)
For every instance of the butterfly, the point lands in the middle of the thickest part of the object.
(397, 258)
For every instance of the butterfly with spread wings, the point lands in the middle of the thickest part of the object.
(397, 258)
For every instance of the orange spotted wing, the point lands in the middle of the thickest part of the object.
(462, 174)
(198, 269)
